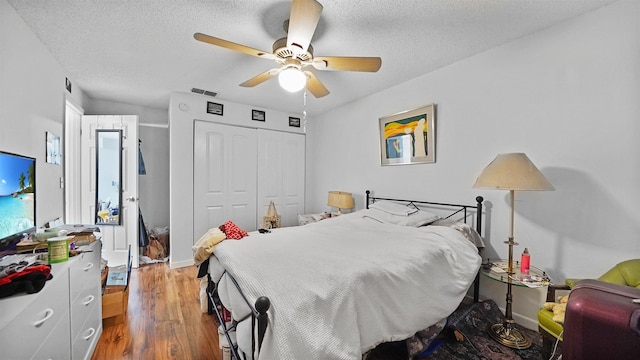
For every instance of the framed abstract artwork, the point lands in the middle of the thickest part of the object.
(408, 137)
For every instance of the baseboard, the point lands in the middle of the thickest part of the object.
(531, 324)
(180, 264)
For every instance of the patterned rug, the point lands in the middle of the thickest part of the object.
(472, 322)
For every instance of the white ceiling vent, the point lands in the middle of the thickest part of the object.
(204, 92)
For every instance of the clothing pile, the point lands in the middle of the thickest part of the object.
(23, 276)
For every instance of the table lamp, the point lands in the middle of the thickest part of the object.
(340, 200)
(511, 172)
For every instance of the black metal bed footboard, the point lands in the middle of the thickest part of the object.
(258, 316)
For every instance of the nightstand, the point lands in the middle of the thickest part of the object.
(505, 333)
(497, 270)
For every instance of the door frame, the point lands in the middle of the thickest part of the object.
(71, 163)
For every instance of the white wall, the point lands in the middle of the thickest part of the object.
(153, 188)
(567, 96)
(32, 100)
(184, 109)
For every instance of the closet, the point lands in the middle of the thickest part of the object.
(238, 171)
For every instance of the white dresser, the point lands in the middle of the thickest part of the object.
(63, 320)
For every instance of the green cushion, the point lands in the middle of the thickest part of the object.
(545, 321)
(625, 273)
(572, 282)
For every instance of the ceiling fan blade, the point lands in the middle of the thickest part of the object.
(232, 46)
(256, 80)
(314, 85)
(343, 63)
(303, 20)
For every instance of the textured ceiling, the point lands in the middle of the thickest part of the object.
(138, 52)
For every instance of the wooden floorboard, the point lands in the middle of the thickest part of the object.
(164, 320)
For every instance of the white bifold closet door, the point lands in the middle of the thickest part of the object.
(281, 171)
(224, 176)
(239, 170)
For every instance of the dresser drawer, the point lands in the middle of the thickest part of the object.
(46, 309)
(86, 270)
(56, 345)
(84, 307)
(88, 335)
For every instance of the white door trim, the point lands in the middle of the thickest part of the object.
(71, 163)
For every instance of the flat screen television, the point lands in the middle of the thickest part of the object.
(17, 197)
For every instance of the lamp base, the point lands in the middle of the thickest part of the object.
(509, 336)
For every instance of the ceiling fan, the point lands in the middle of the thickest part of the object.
(294, 52)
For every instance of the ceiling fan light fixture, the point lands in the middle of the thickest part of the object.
(294, 52)
(292, 79)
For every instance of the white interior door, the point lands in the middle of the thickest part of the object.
(115, 238)
(281, 172)
(224, 176)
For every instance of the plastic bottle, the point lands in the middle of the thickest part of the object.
(525, 261)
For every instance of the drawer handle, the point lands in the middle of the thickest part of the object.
(91, 331)
(47, 314)
(89, 266)
(89, 300)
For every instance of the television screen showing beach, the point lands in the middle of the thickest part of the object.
(17, 194)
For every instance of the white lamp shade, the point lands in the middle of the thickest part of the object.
(512, 171)
(292, 79)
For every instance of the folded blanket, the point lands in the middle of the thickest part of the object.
(203, 248)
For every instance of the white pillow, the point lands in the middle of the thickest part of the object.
(470, 233)
(418, 218)
(393, 208)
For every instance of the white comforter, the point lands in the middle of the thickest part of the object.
(341, 286)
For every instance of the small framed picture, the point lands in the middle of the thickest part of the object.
(257, 115)
(214, 108)
(294, 121)
(53, 149)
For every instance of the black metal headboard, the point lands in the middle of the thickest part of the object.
(455, 208)
(463, 209)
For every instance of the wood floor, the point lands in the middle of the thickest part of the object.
(164, 320)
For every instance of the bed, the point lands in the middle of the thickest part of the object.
(337, 288)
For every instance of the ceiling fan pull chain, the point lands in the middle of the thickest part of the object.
(304, 112)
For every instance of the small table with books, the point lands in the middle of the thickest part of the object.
(497, 270)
